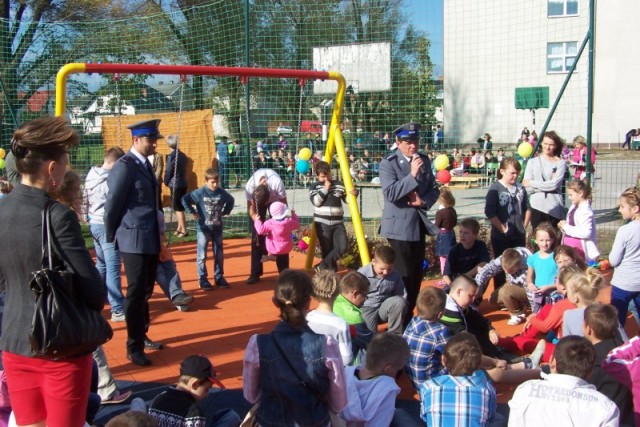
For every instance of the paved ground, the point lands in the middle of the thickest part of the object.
(614, 173)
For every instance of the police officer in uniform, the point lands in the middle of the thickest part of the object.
(131, 220)
(409, 189)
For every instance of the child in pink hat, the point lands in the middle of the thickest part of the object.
(278, 231)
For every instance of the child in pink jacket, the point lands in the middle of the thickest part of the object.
(278, 231)
(623, 364)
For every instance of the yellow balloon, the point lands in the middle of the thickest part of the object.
(2, 153)
(441, 162)
(525, 150)
(305, 154)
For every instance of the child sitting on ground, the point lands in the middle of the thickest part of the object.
(426, 337)
(513, 262)
(466, 395)
(547, 321)
(542, 270)
(600, 328)
(468, 254)
(460, 316)
(278, 231)
(564, 397)
(354, 288)
(582, 290)
(322, 320)
(387, 297)
(180, 404)
(372, 389)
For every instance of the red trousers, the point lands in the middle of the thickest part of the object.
(527, 340)
(55, 391)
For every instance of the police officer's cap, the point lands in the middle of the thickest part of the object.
(408, 131)
(148, 128)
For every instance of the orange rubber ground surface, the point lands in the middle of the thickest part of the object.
(220, 322)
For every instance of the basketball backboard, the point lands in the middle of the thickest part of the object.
(366, 67)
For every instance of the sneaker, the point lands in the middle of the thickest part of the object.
(252, 280)
(536, 355)
(182, 299)
(117, 398)
(182, 307)
(206, 286)
(516, 319)
(264, 258)
(117, 316)
(222, 283)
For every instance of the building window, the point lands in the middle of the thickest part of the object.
(561, 56)
(562, 7)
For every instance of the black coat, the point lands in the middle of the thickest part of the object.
(21, 239)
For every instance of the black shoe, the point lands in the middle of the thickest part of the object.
(206, 286)
(152, 345)
(222, 283)
(252, 279)
(182, 299)
(139, 358)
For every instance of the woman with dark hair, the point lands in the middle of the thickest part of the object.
(544, 179)
(43, 391)
(175, 178)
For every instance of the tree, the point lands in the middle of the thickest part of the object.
(33, 47)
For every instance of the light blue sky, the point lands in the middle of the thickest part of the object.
(427, 15)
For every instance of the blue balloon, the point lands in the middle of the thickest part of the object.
(302, 166)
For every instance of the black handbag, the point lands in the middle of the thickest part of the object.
(63, 325)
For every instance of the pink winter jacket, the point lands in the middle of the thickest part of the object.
(278, 233)
(623, 364)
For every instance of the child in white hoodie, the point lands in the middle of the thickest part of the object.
(372, 389)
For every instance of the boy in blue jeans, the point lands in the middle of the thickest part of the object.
(212, 203)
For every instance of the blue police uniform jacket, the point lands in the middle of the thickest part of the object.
(285, 401)
(130, 212)
(399, 220)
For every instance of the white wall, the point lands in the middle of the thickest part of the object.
(493, 46)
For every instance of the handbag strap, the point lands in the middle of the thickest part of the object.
(47, 259)
(304, 383)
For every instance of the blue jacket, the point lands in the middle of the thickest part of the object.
(285, 401)
(131, 208)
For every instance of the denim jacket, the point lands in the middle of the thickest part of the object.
(285, 401)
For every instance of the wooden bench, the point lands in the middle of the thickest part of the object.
(467, 181)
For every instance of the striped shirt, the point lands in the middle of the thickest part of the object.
(327, 205)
